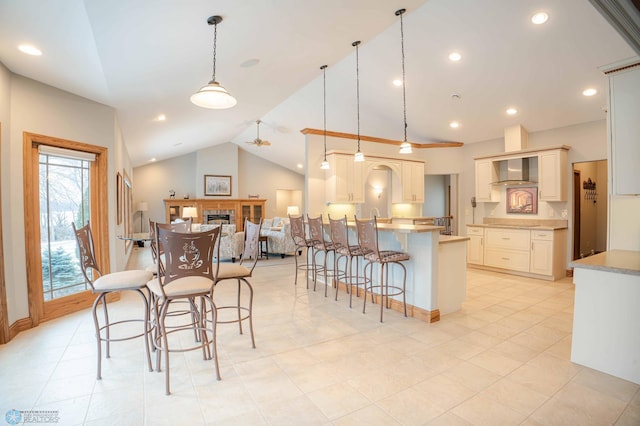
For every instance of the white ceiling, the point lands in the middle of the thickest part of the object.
(146, 57)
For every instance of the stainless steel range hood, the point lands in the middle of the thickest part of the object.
(514, 171)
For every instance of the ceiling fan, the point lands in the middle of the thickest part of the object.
(257, 141)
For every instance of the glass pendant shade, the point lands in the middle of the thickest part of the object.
(325, 165)
(405, 148)
(358, 157)
(213, 96)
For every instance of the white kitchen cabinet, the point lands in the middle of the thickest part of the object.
(624, 126)
(486, 174)
(475, 245)
(507, 248)
(345, 179)
(541, 252)
(552, 175)
(412, 182)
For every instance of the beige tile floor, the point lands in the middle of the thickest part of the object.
(503, 359)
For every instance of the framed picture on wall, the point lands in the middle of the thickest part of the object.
(522, 200)
(217, 185)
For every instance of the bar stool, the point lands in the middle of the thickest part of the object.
(348, 252)
(301, 241)
(368, 241)
(105, 284)
(320, 245)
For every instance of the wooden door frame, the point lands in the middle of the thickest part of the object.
(577, 206)
(39, 310)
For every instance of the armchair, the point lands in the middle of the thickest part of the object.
(231, 242)
(278, 233)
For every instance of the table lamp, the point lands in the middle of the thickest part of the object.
(190, 212)
(143, 206)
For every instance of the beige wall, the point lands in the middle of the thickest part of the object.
(35, 107)
(185, 174)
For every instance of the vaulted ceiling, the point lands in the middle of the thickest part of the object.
(147, 57)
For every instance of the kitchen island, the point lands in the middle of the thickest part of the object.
(606, 318)
(436, 272)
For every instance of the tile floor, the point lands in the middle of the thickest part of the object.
(503, 359)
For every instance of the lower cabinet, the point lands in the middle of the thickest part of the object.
(507, 248)
(539, 253)
(475, 246)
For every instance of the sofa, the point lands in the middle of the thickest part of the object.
(231, 242)
(278, 233)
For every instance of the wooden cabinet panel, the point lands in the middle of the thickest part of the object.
(486, 174)
(412, 182)
(541, 257)
(345, 179)
(553, 175)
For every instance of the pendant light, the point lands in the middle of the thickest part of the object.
(359, 156)
(405, 147)
(325, 163)
(213, 95)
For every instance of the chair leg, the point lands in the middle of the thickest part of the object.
(214, 322)
(253, 340)
(295, 282)
(106, 323)
(165, 344)
(146, 328)
(238, 307)
(98, 334)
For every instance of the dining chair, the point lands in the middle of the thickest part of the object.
(368, 242)
(105, 284)
(189, 274)
(241, 272)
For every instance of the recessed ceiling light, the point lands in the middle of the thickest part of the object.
(455, 56)
(539, 18)
(454, 124)
(512, 111)
(30, 50)
(299, 166)
(589, 92)
(397, 82)
(161, 117)
(152, 160)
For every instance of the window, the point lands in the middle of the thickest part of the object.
(64, 182)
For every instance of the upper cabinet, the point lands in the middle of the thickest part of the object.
(412, 182)
(345, 179)
(624, 126)
(486, 174)
(552, 175)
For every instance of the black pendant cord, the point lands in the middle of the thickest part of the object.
(324, 107)
(215, 41)
(404, 89)
(356, 43)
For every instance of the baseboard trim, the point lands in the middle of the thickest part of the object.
(396, 305)
(22, 324)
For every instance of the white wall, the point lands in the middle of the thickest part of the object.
(37, 108)
(434, 195)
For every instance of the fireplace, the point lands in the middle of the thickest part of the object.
(219, 216)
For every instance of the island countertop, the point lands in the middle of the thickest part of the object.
(620, 261)
(403, 227)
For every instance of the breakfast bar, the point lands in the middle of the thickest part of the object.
(436, 272)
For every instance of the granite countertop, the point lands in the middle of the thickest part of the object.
(541, 227)
(620, 261)
(451, 239)
(542, 224)
(404, 228)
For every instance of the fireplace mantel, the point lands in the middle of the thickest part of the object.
(244, 208)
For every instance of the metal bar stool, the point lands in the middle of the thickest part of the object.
(348, 253)
(321, 246)
(298, 234)
(104, 284)
(368, 241)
